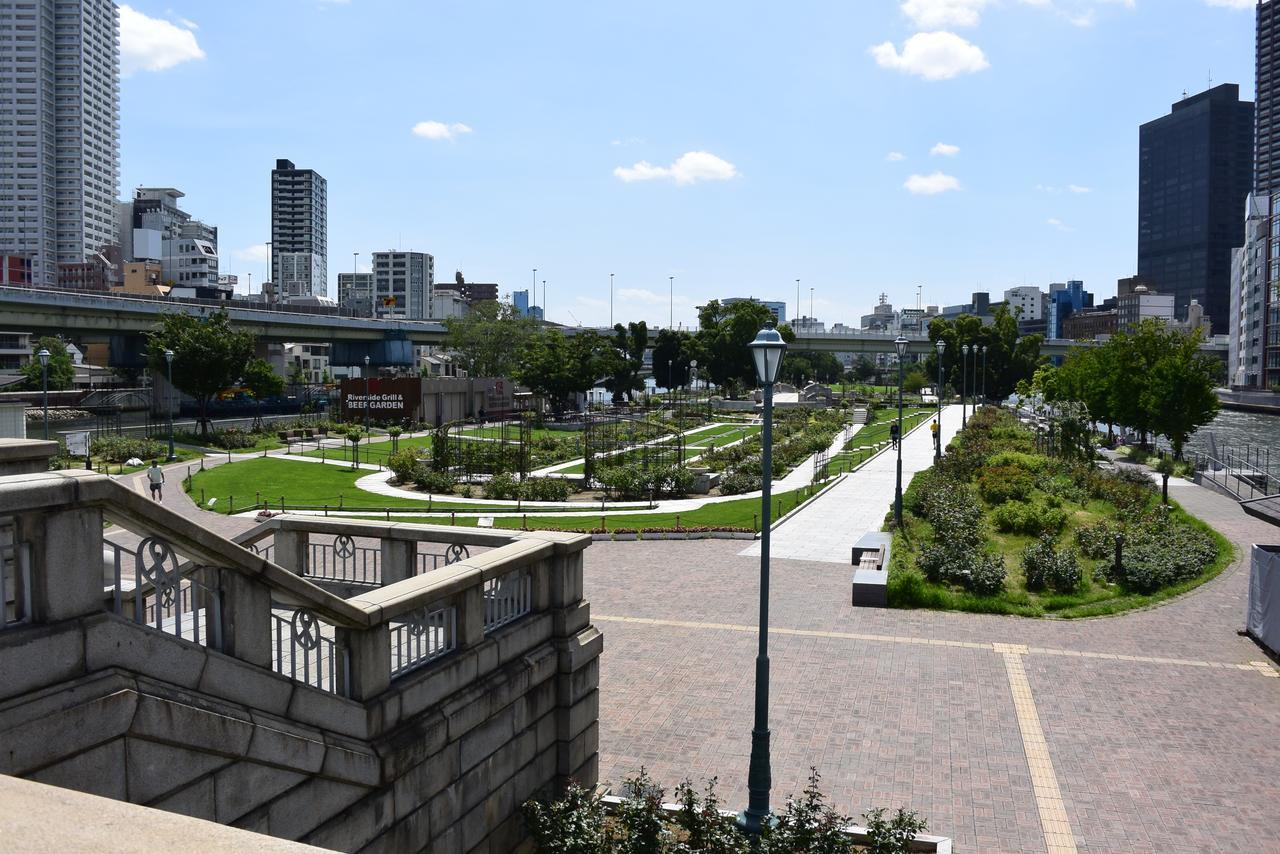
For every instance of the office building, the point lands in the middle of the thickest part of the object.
(882, 318)
(474, 292)
(1144, 304)
(59, 143)
(402, 284)
(1026, 303)
(355, 294)
(1195, 170)
(808, 326)
(448, 303)
(299, 232)
(979, 306)
(520, 302)
(153, 228)
(15, 269)
(1065, 299)
(145, 278)
(778, 309)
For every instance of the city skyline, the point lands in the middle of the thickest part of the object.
(839, 161)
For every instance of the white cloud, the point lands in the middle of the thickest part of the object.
(931, 185)
(259, 253)
(690, 168)
(895, 157)
(1059, 224)
(933, 56)
(944, 13)
(1076, 188)
(440, 130)
(942, 149)
(151, 44)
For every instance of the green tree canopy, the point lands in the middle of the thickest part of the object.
(261, 379)
(558, 367)
(488, 341)
(62, 370)
(672, 354)
(208, 355)
(624, 364)
(1010, 357)
(723, 335)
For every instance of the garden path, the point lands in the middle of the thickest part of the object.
(827, 527)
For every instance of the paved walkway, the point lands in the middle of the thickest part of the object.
(827, 527)
(1149, 732)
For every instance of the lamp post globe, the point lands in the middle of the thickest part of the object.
(767, 351)
(900, 346)
(168, 359)
(43, 356)
(937, 450)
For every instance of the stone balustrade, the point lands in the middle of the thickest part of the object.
(176, 670)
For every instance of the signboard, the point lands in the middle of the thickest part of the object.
(78, 443)
(498, 396)
(383, 400)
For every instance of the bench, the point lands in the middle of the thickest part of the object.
(870, 559)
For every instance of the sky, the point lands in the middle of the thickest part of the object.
(917, 148)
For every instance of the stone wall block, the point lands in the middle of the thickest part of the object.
(286, 745)
(573, 754)
(422, 689)
(303, 808)
(45, 741)
(484, 740)
(59, 649)
(245, 684)
(356, 826)
(516, 640)
(582, 714)
(398, 560)
(351, 761)
(98, 771)
(115, 642)
(243, 786)
(158, 770)
(328, 711)
(246, 618)
(161, 719)
(572, 687)
(368, 660)
(66, 562)
(196, 800)
(412, 744)
(426, 780)
(568, 621)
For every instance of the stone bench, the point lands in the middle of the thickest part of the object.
(870, 559)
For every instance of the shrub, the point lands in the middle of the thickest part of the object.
(573, 824)
(1031, 463)
(738, 482)
(434, 481)
(1097, 541)
(942, 562)
(1043, 565)
(502, 487)
(999, 484)
(546, 489)
(119, 449)
(1031, 518)
(895, 835)
(985, 574)
(231, 438)
(1161, 552)
(404, 465)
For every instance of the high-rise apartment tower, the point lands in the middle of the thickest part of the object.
(299, 231)
(59, 137)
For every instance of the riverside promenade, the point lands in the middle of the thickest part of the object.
(1147, 732)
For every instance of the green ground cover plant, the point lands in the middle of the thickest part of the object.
(998, 528)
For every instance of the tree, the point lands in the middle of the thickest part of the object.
(914, 381)
(208, 355)
(263, 382)
(559, 367)
(629, 343)
(488, 341)
(723, 335)
(864, 369)
(62, 371)
(802, 366)
(1180, 390)
(1009, 359)
(296, 375)
(672, 354)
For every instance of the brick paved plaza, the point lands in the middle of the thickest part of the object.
(1160, 726)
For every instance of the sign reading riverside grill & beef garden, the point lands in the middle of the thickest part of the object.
(387, 399)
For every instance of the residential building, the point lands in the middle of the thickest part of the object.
(15, 269)
(402, 284)
(778, 309)
(520, 301)
(808, 326)
(355, 294)
(154, 228)
(143, 278)
(96, 273)
(1144, 304)
(1026, 303)
(1065, 299)
(474, 292)
(59, 143)
(1195, 170)
(15, 350)
(913, 320)
(535, 311)
(979, 305)
(1088, 325)
(308, 362)
(299, 231)
(446, 303)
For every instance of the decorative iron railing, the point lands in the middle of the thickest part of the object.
(15, 579)
(343, 560)
(507, 598)
(304, 649)
(428, 561)
(164, 594)
(422, 638)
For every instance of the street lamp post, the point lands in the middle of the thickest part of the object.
(366, 394)
(900, 345)
(43, 356)
(610, 300)
(168, 360)
(767, 351)
(964, 386)
(671, 302)
(984, 374)
(937, 450)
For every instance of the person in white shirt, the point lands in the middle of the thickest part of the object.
(155, 477)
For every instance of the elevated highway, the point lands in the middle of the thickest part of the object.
(100, 316)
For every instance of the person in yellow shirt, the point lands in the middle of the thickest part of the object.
(937, 436)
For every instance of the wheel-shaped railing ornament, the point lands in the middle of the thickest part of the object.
(455, 553)
(305, 629)
(418, 622)
(157, 564)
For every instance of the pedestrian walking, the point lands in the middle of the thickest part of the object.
(893, 434)
(937, 435)
(155, 477)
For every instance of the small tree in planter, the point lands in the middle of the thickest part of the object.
(394, 433)
(354, 436)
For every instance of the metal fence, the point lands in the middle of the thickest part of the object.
(1238, 474)
(304, 649)
(15, 578)
(343, 560)
(427, 636)
(162, 596)
(507, 598)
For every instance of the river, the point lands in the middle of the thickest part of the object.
(1255, 431)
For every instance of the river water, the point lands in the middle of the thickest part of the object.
(1255, 432)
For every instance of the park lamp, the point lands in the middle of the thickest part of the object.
(942, 347)
(767, 351)
(900, 344)
(43, 356)
(168, 356)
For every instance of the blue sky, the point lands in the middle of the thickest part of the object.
(862, 146)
